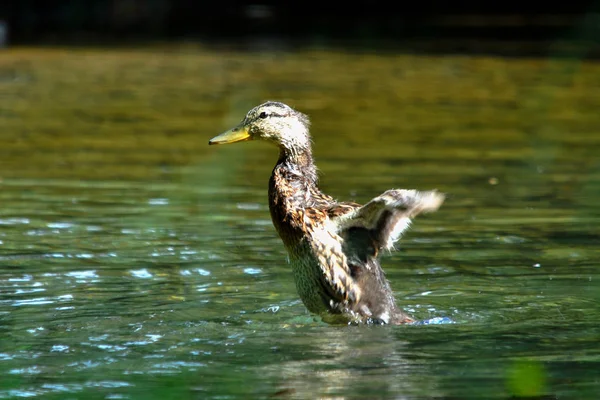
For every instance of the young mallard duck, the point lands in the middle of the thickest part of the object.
(333, 246)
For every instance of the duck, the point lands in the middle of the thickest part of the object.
(334, 247)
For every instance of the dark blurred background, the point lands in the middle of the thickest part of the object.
(509, 27)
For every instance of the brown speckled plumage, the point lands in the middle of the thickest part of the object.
(333, 246)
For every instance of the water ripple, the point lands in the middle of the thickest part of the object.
(20, 393)
(42, 300)
(14, 221)
(141, 273)
(24, 278)
(202, 272)
(32, 302)
(176, 366)
(33, 370)
(108, 384)
(152, 338)
(158, 202)
(60, 387)
(60, 225)
(82, 275)
(252, 271)
(59, 348)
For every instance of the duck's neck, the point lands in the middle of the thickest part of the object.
(292, 187)
(299, 164)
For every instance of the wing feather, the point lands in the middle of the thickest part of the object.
(389, 215)
(345, 238)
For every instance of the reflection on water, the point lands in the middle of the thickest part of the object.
(137, 262)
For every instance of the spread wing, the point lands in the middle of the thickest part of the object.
(387, 216)
(346, 238)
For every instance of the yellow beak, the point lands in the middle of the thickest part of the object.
(237, 134)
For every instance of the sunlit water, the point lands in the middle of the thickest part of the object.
(136, 262)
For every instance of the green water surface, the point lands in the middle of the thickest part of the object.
(137, 262)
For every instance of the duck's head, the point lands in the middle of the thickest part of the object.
(274, 122)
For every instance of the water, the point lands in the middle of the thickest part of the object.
(137, 262)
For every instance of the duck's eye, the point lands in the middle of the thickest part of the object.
(263, 115)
